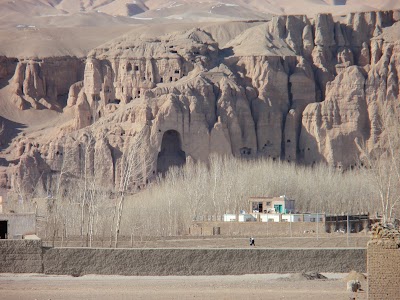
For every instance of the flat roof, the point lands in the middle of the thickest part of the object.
(16, 214)
(277, 197)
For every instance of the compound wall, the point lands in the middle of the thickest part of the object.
(28, 256)
(79, 261)
(21, 256)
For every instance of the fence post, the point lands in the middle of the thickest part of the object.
(348, 229)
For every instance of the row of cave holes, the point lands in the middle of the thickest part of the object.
(136, 68)
(129, 67)
(117, 101)
(30, 145)
(170, 79)
(353, 166)
(247, 151)
(175, 52)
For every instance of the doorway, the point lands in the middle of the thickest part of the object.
(278, 208)
(3, 229)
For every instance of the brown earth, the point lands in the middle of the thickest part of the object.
(324, 241)
(186, 9)
(265, 286)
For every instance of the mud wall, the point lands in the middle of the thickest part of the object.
(28, 256)
(80, 261)
(21, 256)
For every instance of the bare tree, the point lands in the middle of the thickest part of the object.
(87, 178)
(384, 162)
(135, 164)
(190, 192)
(168, 205)
(2, 129)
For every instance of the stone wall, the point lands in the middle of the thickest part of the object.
(80, 261)
(28, 256)
(21, 256)
(256, 228)
(383, 261)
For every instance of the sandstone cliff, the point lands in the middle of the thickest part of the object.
(292, 88)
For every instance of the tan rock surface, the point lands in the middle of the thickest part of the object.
(293, 88)
(330, 128)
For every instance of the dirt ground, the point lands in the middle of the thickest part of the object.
(265, 286)
(325, 241)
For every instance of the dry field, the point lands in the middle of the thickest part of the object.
(265, 286)
(324, 241)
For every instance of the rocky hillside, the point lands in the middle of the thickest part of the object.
(294, 88)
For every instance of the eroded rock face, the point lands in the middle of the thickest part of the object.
(38, 83)
(330, 128)
(307, 103)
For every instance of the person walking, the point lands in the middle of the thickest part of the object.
(252, 242)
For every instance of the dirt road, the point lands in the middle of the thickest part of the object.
(325, 241)
(265, 286)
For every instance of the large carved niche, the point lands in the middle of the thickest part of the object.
(171, 153)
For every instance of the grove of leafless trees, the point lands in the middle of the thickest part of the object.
(169, 205)
(86, 210)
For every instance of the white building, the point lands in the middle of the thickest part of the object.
(243, 217)
(273, 209)
(280, 204)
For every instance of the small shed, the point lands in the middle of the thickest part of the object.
(17, 225)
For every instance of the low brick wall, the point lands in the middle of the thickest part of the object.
(28, 256)
(256, 228)
(383, 261)
(21, 256)
(80, 261)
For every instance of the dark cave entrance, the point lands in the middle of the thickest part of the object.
(171, 153)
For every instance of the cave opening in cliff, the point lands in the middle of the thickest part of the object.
(171, 153)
